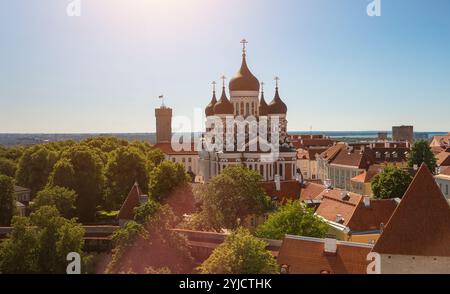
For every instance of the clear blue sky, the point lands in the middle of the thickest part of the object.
(340, 69)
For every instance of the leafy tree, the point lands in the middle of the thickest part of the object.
(241, 253)
(421, 153)
(155, 157)
(125, 166)
(62, 198)
(7, 167)
(165, 178)
(88, 180)
(63, 174)
(40, 243)
(7, 201)
(392, 182)
(149, 243)
(34, 168)
(229, 198)
(292, 218)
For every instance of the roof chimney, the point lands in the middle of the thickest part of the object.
(327, 184)
(339, 218)
(277, 182)
(344, 195)
(416, 167)
(143, 199)
(366, 201)
(330, 245)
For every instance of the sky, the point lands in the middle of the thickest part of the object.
(340, 69)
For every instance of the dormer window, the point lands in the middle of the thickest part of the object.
(377, 154)
(394, 154)
(387, 155)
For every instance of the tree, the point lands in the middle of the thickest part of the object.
(7, 167)
(229, 198)
(40, 243)
(292, 218)
(63, 174)
(62, 198)
(7, 201)
(421, 153)
(241, 253)
(165, 178)
(149, 243)
(392, 182)
(88, 180)
(34, 168)
(125, 166)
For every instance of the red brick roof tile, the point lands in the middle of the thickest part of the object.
(127, 210)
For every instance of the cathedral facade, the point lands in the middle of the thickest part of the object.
(245, 130)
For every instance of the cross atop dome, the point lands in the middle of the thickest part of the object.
(223, 78)
(244, 43)
(214, 86)
(277, 79)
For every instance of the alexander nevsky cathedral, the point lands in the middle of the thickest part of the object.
(247, 103)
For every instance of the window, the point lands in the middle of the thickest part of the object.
(281, 170)
(173, 159)
(377, 154)
(446, 189)
(183, 160)
(189, 160)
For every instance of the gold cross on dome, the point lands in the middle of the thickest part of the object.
(262, 86)
(277, 79)
(214, 85)
(223, 80)
(244, 43)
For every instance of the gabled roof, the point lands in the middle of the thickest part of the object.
(370, 218)
(306, 255)
(132, 201)
(420, 225)
(443, 158)
(289, 190)
(332, 204)
(311, 191)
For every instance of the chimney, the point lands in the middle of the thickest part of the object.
(339, 218)
(277, 182)
(344, 195)
(330, 245)
(143, 199)
(416, 167)
(366, 201)
(327, 183)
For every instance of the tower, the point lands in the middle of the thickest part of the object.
(163, 124)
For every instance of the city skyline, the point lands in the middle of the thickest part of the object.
(104, 70)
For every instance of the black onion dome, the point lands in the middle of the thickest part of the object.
(263, 107)
(209, 110)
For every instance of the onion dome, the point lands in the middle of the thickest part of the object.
(223, 106)
(244, 80)
(263, 107)
(209, 110)
(277, 106)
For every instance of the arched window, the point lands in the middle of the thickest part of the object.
(247, 109)
(261, 170)
(242, 108)
(281, 170)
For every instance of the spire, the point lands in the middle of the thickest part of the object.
(263, 107)
(223, 106)
(277, 106)
(209, 111)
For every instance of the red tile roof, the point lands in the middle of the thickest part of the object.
(443, 158)
(311, 191)
(306, 256)
(445, 171)
(420, 225)
(309, 153)
(127, 210)
(290, 190)
(370, 218)
(332, 204)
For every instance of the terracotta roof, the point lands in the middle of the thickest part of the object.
(370, 218)
(167, 149)
(367, 176)
(445, 171)
(244, 80)
(332, 204)
(420, 225)
(443, 158)
(309, 153)
(306, 255)
(331, 152)
(311, 191)
(290, 190)
(444, 140)
(132, 201)
(437, 149)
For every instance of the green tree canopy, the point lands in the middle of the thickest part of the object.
(241, 253)
(62, 198)
(293, 218)
(165, 178)
(149, 242)
(34, 168)
(7, 167)
(229, 198)
(125, 166)
(88, 181)
(392, 182)
(40, 243)
(421, 153)
(63, 174)
(7, 200)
